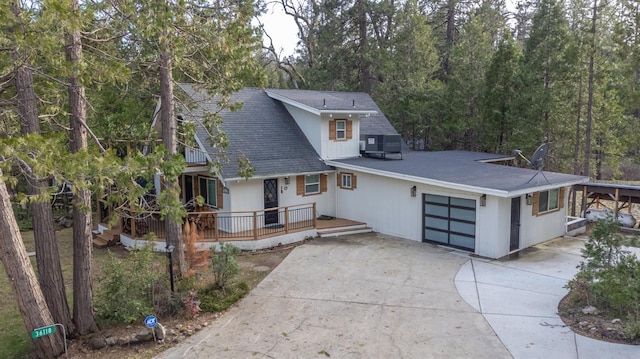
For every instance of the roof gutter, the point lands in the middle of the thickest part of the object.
(279, 175)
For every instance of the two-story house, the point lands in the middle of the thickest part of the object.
(321, 154)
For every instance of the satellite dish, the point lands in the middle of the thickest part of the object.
(537, 159)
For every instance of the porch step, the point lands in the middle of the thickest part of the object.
(345, 230)
(110, 237)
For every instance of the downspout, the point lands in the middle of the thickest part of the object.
(335, 194)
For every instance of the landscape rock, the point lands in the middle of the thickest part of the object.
(615, 321)
(590, 309)
(96, 343)
(160, 332)
(111, 341)
(144, 335)
(122, 341)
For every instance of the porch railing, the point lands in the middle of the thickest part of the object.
(573, 223)
(228, 225)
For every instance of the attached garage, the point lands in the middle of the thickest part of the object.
(463, 200)
(450, 221)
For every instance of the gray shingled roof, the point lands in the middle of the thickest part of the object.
(463, 170)
(327, 101)
(263, 131)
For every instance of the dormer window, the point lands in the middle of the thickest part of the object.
(341, 129)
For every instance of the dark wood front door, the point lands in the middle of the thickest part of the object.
(514, 241)
(270, 200)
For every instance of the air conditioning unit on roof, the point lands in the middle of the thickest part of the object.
(381, 145)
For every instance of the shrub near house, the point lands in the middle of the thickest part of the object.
(609, 276)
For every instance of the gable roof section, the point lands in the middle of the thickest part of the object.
(263, 131)
(372, 122)
(462, 170)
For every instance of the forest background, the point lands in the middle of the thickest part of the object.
(80, 80)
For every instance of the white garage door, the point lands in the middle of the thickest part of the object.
(450, 221)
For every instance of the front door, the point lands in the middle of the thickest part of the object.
(270, 200)
(514, 242)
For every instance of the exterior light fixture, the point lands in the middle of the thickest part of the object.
(529, 199)
(483, 200)
(413, 191)
(287, 180)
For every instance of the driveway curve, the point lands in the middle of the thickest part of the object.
(360, 296)
(519, 298)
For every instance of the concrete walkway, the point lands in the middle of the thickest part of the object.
(519, 299)
(373, 296)
(361, 296)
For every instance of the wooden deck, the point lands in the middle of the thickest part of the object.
(326, 225)
(335, 223)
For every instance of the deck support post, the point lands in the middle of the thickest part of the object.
(255, 225)
(286, 219)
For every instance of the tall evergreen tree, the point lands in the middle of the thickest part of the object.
(469, 60)
(46, 246)
(498, 124)
(407, 87)
(543, 92)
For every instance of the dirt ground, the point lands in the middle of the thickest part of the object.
(254, 266)
(600, 326)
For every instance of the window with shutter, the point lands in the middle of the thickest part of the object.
(547, 201)
(346, 180)
(307, 185)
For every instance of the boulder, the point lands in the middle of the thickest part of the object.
(160, 332)
(96, 343)
(144, 335)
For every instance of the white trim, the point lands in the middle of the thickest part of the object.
(452, 185)
(315, 111)
(282, 175)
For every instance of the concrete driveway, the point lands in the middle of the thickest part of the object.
(360, 296)
(519, 298)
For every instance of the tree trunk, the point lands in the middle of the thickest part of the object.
(587, 143)
(22, 278)
(450, 37)
(363, 68)
(576, 146)
(82, 296)
(169, 139)
(46, 245)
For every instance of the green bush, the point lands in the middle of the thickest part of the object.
(224, 264)
(632, 328)
(125, 292)
(618, 288)
(215, 299)
(609, 278)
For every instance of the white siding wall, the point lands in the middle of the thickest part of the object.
(340, 149)
(385, 204)
(493, 227)
(537, 229)
(309, 124)
(316, 129)
(249, 195)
